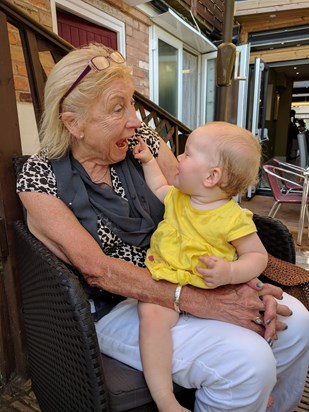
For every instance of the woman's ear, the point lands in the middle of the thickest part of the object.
(70, 122)
(213, 177)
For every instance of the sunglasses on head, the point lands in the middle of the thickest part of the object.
(97, 63)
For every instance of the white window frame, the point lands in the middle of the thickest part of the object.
(92, 14)
(241, 74)
(205, 59)
(156, 34)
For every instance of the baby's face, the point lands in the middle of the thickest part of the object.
(199, 157)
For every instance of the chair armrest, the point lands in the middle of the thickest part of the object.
(281, 269)
(291, 278)
(64, 357)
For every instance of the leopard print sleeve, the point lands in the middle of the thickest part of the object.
(150, 136)
(37, 176)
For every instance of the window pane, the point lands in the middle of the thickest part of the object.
(189, 89)
(168, 77)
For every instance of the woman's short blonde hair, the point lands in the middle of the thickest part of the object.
(54, 136)
(239, 153)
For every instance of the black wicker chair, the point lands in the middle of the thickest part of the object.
(67, 370)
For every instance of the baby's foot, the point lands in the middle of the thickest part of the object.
(270, 402)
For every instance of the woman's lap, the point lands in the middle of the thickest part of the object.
(224, 359)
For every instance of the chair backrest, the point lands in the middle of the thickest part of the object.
(64, 357)
(273, 180)
(276, 238)
(302, 145)
(278, 177)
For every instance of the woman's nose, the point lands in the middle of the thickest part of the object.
(133, 121)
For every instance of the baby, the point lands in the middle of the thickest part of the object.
(205, 238)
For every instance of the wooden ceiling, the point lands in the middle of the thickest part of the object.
(256, 22)
(269, 15)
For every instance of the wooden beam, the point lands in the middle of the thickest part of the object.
(261, 22)
(269, 6)
(281, 55)
(34, 69)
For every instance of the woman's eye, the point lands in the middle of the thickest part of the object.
(118, 108)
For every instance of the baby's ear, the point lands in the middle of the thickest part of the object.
(213, 177)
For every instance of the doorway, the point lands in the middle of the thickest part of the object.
(283, 86)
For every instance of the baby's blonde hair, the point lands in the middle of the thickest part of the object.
(54, 135)
(239, 153)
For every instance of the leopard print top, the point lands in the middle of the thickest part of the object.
(37, 176)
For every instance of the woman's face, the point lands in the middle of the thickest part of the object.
(110, 123)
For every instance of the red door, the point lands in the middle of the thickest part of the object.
(79, 32)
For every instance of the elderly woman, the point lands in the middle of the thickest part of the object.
(87, 201)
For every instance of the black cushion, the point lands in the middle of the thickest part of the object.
(127, 388)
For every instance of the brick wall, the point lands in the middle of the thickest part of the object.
(137, 41)
(39, 10)
(137, 38)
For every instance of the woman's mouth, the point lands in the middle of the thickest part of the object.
(122, 144)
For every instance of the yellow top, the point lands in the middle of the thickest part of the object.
(185, 233)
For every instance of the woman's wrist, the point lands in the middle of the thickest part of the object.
(177, 299)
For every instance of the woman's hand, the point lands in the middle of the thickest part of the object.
(272, 308)
(241, 305)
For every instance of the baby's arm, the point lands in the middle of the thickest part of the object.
(153, 175)
(251, 262)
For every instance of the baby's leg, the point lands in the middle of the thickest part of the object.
(156, 353)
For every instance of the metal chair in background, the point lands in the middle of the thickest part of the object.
(303, 150)
(289, 184)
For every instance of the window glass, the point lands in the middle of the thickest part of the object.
(168, 77)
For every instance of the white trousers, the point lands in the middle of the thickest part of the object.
(233, 368)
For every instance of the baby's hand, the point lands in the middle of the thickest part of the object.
(141, 151)
(217, 273)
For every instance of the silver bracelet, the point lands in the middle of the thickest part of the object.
(177, 298)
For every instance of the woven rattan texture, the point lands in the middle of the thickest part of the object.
(64, 357)
(281, 269)
(276, 238)
(66, 366)
(291, 278)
